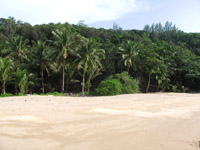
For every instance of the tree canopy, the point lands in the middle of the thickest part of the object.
(76, 58)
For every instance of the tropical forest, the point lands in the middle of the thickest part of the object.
(74, 58)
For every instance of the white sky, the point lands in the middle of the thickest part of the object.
(72, 11)
(129, 14)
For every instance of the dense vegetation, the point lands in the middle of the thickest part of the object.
(120, 83)
(109, 87)
(75, 58)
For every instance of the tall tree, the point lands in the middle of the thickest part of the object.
(90, 57)
(65, 39)
(41, 59)
(6, 67)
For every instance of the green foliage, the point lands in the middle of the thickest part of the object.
(90, 61)
(109, 87)
(20, 94)
(40, 59)
(116, 27)
(130, 85)
(6, 95)
(174, 88)
(23, 80)
(55, 94)
(10, 94)
(65, 40)
(51, 57)
(50, 93)
(6, 67)
(23, 84)
(129, 52)
(35, 94)
(179, 88)
(18, 49)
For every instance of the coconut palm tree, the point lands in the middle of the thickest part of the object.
(129, 51)
(6, 67)
(41, 59)
(65, 40)
(25, 81)
(3, 50)
(18, 47)
(92, 73)
(89, 57)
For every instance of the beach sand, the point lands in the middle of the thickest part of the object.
(159, 121)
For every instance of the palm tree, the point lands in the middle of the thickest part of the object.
(5, 49)
(23, 79)
(25, 82)
(41, 59)
(71, 73)
(129, 52)
(6, 66)
(18, 47)
(64, 41)
(92, 73)
(90, 57)
(1, 48)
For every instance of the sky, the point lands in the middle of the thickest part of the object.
(129, 14)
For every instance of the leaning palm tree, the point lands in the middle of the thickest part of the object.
(64, 41)
(6, 67)
(90, 57)
(41, 59)
(92, 73)
(129, 52)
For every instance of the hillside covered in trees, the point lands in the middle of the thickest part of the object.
(74, 58)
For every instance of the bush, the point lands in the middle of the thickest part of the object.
(35, 94)
(20, 94)
(181, 89)
(50, 93)
(55, 94)
(6, 95)
(130, 85)
(109, 87)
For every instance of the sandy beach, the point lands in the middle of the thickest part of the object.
(160, 121)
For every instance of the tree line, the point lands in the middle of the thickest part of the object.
(76, 58)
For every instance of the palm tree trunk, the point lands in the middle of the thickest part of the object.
(42, 72)
(88, 90)
(63, 77)
(4, 87)
(147, 90)
(83, 83)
